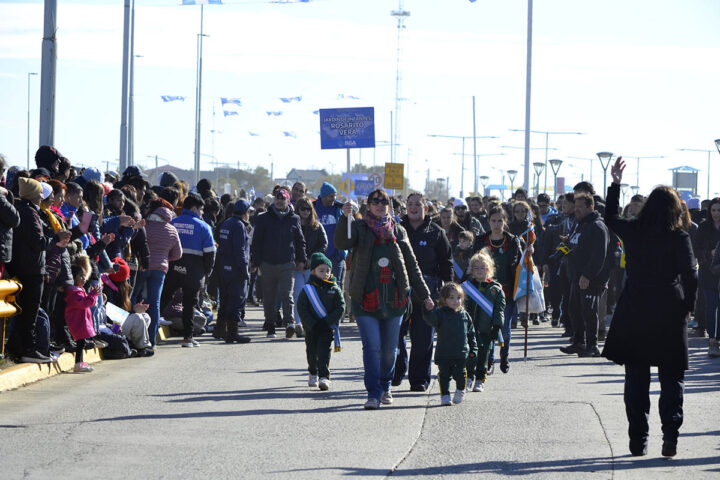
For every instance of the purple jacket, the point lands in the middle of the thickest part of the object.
(162, 239)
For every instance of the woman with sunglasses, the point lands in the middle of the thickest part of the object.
(315, 241)
(383, 269)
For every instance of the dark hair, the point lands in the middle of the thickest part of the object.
(584, 187)
(495, 209)
(171, 194)
(72, 188)
(204, 185)
(304, 202)
(447, 289)
(466, 235)
(543, 197)
(637, 198)
(663, 211)
(570, 197)
(709, 207)
(64, 165)
(420, 196)
(225, 199)
(57, 186)
(586, 197)
(93, 196)
(115, 193)
(521, 191)
(379, 193)
(193, 200)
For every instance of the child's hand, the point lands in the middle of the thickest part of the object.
(108, 238)
(140, 307)
(429, 304)
(97, 289)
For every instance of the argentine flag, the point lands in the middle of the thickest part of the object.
(202, 2)
(172, 98)
(290, 99)
(290, 134)
(253, 134)
(274, 114)
(230, 106)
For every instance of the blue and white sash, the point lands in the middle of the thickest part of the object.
(478, 297)
(321, 312)
(458, 271)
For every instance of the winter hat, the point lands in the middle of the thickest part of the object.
(122, 273)
(168, 179)
(241, 206)
(46, 157)
(29, 188)
(92, 173)
(46, 189)
(133, 171)
(327, 189)
(459, 202)
(318, 258)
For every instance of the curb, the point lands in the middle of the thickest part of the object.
(27, 373)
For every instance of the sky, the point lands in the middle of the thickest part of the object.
(636, 78)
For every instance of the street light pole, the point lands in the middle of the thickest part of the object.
(28, 119)
(47, 75)
(511, 175)
(555, 164)
(605, 158)
(462, 168)
(538, 167)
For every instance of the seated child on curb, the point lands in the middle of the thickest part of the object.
(455, 341)
(321, 306)
(485, 302)
(77, 312)
(462, 253)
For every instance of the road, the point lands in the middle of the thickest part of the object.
(245, 411)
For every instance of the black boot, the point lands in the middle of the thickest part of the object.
(504, 364)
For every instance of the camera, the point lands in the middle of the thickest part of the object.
(560, 251)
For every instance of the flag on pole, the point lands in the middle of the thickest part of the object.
(227, 113)
(202, 2)
(342, 96)
(233, 101)
(290, 134)
(316, 112)
(290, 99)
(230, 106)
(172, 98)
(274, 114)
(253, 134)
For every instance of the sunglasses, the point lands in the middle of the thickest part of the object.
(460, 208)
(378, 201)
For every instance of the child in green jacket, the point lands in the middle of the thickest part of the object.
(455, 341)
(321, 306)
(487, 316)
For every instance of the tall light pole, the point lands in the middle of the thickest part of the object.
(511, 175)
(28, 118)
(127, 39)
(555, 164)
(528, 88)
(637, 158)
(47, 75)
(547, 142)
(605, 158)
(462, 168)
(709, 153)
(400, 14)
(538, 167)
(623, 190)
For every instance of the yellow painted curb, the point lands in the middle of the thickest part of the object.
(164, 332)
(26, 373)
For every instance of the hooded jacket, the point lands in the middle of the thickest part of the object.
(588, 255)
(234, 247)
(163, 240)
(431, 248)
(277, 239)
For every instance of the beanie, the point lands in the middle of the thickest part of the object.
(92, 173)
(46, 189)
(29, 188)
(241, 206)
(168, 179)
(327, 189)
(318, 258)
(122, 273)
(459, 202)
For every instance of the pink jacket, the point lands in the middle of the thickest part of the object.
(163, 239)
(77, 312)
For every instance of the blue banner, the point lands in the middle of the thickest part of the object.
(363, 188)
(347, 128)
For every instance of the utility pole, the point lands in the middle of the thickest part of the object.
(48, 74)
(125, 88)
(400, 14)
(528, 88)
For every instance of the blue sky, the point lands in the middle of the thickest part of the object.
(639, 78)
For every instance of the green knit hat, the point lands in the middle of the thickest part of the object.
(319, 259)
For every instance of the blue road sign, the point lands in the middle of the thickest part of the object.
(347, 128)
(364, 187)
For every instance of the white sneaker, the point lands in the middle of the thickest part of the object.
(445, 400)
(82, 368)
(372, 404)
(386, 398)
(325, 384)
(459, 396)
(478, 386)
(164, 322)
(187, 343)
(195, 342)
(312, 380)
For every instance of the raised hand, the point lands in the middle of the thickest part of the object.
(617, 170)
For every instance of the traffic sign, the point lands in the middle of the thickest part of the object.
(363, 188)
(394, 177)
(376, 178)
(347, 127)
(344, 185)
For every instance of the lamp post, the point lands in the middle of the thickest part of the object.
(479, 155)
(709, 153)
(635, 189)
(511, 175)
(484, 181)
(605, 158)
(623, 190)
(531, 148)
(555, 164)
(462, 167)
(28, 119)
(539, 167)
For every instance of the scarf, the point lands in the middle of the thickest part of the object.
(54, 222)
(382, 227)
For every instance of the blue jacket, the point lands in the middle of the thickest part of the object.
(328, 217)
(198, 248)
(234, 247)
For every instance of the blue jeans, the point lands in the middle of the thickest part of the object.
(712, 302)
(338, 271)
(150, 282)
(301, 279)
(380, 341)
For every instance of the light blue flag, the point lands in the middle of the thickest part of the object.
(253, 134)
(290, 99)
(233, 101)
(290, 134)
(202, 2)
(342, 96)
(274, 114)
(316, 112)
(227, 113)
(172, 98)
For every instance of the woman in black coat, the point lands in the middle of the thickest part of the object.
(649, 327)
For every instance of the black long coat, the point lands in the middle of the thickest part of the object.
(650, 322)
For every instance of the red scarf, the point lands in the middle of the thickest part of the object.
(382, 227)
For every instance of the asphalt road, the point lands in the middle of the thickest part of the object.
(245, 411)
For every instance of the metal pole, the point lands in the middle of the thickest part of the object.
(462, 170)
(28, 119)
(131, 103)
(198, 98)
(708, 176)
(528, 83)
(349, 228)
(157, 174)
(47, 75)
(125, 91)
(475, 165)
(547, 136)
(392, 140)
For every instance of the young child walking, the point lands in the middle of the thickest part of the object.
(462, 254)
(485, 302)
(455, 341)
(321, 306)
(78, 316)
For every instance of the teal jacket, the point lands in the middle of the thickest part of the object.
(455, 333)
(483, 323)
(332, 299)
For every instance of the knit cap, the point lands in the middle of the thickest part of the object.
(29, 188)
(327, 189)
(46, 189)
(318, 258)
(122, 273)
(92, 173)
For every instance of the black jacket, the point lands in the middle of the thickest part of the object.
(431, 247)
(315, 240)
(9, 219)
(277, 239)
(29, 242)
(706, 238)
(588, 255)
(649, 325)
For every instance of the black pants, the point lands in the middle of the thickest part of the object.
(564, 285)
(317, 348)
(584, 315)
(477, 366)
(455, 369)
(555, 290)
(233, 296)
(418, 364)
(637, 402)
(22, 338)
(80, 352)
(173, 281)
